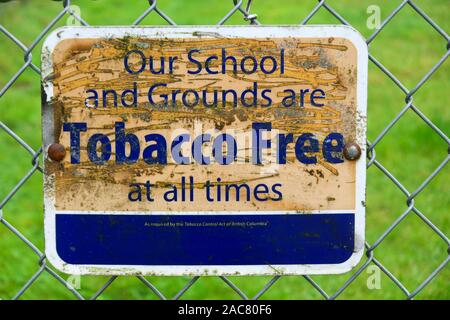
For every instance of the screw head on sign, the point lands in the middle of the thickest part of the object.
(352, 151)
(56, 152)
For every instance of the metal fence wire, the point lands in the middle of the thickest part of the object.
(244, 9)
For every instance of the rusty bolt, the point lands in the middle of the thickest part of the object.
(56, 152)
(352, 151)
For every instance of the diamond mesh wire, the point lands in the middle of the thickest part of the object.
(244, 9)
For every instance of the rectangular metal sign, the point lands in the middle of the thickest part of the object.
(204, 150)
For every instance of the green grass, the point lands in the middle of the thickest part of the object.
(408, 47)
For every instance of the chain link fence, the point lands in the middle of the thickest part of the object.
(245, 10)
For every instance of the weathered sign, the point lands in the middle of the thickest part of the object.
(204, 150)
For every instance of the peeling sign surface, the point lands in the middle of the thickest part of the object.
(204, 150)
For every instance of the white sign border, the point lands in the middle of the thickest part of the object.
(313, 31)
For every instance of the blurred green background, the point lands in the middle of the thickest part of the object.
(411, 150)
